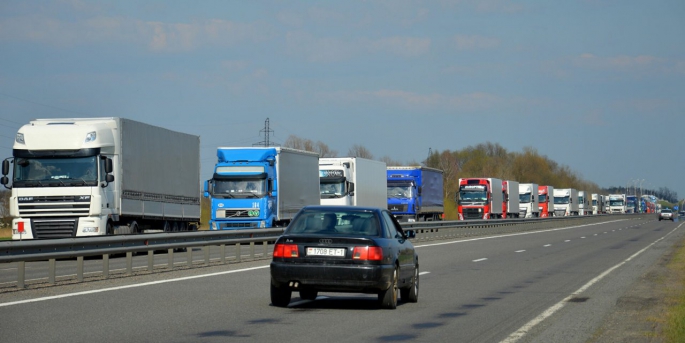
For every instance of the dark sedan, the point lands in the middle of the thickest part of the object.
(345, 249)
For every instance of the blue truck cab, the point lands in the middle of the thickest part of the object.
(260, 187)
(415, 193)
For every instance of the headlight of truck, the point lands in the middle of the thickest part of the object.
(20, 138)
(213, 226)
(262, 224)
(91, 229)
(90, 136)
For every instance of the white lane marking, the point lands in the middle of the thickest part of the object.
(582, 237)
(129, 286)
(519, 251)
(513, 234)
(605, 232)
(480, 259)
(424, 273)
(568, 240)
(547, 245)
(595, 234)
(297, 303)
(518, 334)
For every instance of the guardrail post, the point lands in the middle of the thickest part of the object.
(105, 266)
(266, 248)
(52, 267)
(170, 258)
(21, 271)
(189, 255)
(79, 268)
(237, 252)
(205, 249)
(222, 250)
(150, 260)
(252, 250)
(129, 262)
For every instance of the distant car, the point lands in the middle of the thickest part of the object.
(345, 249)
(666, 214)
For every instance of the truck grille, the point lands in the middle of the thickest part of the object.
(238, 225)
(397, 207)
(238, 213)
(41, 206)
(472, 213)
(54, 228)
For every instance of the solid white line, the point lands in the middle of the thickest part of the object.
(424, 273)
(518, 334)
(547, 245)
(480, 259)
(513, 234)
(519, 251)
(129, 286)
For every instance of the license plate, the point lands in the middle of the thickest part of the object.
(325, 252)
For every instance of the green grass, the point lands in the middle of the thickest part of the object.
(674, 330)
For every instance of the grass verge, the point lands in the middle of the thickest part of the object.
(5, 233)
(674, 328)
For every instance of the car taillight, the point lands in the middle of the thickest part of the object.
(367, 253)
(286, 250)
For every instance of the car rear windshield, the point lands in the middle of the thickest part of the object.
(665, 211)
(344, 223)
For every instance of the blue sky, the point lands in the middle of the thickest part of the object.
(597, 85)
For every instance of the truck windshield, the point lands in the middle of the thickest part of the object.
(617, 202)
(468, 197)
(542, 198)
(250, 188)
(631, 203)
(594, 202)
(561, 200)
(71, 171)
(524, 198)
(581, 200)
(399, 191)
(332, 190)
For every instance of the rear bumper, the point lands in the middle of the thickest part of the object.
(333, 278)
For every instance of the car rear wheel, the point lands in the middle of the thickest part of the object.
(388, 297)
(280, 296)
(308, 294)
(411, 294)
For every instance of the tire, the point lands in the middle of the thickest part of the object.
(109, 228)
(411, 294)
(133, 226)
(387, 299)
(166, 227)
(280, 296)
(308, 294)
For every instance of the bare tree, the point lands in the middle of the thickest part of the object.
(390, 162)
(359, 151)
(319, 147)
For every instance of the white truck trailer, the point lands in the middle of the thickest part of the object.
(510, 191)
(565, 202)
(353, 181)
(597, 205)
(100, 176)
(528, 200)
(583, 203)
(617, 203)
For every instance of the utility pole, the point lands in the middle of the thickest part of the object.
(266, 131)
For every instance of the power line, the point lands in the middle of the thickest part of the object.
(40, 104)
(267, 131)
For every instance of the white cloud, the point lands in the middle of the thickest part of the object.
(466, 42)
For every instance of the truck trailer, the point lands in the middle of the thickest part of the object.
(510, 199)
(415, 193)
(528, 200)
(479, 198)
(353, 181)
(261, 187)
(597, 205)
(583, 203)
(565, 202)
(77, 177)
(546, 201)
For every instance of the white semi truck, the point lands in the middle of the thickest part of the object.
(565, 202)
(528, 200)
(353, 181)
(597, 204)
(617, 203)
(583, 203)
(77, 177)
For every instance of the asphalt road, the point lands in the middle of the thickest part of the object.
(517, 287)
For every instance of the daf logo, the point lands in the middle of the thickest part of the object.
(325, 241)
(25, 198)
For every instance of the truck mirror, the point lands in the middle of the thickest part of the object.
(206, 186)
(350, 188)
(420, 190)
(5, 167)
(4, 180)
(109, 178)
(270, 186)
(108, 166)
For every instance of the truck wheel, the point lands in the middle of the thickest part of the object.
(133, 227)
(174, 226)
(388, 298)
(166, 227)
(109, 228)
(280, 296)
(411, 294)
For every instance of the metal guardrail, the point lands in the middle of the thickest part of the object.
(52, 250)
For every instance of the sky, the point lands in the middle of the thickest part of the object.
(597, 85)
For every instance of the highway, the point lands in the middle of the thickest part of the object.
(547, 286)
